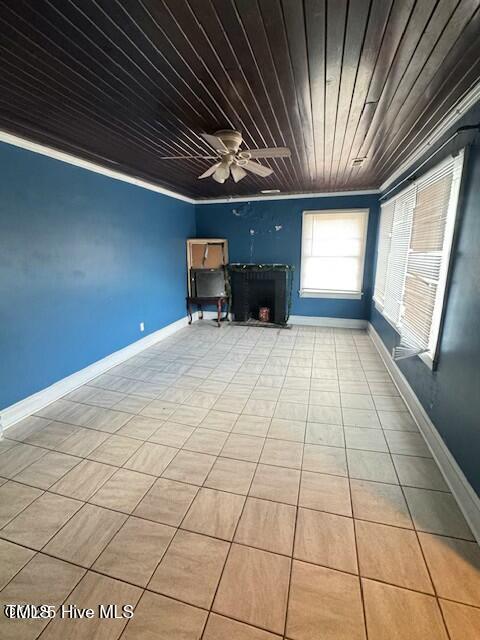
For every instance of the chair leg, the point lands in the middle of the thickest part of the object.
(219, 312)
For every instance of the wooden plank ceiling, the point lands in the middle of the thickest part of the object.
(125, 82)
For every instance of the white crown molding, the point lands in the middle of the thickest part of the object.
(26, 407)
(463, 105)
(286, 196)
(467, 499)
(50, 152)
(44, 150)
(468, 101)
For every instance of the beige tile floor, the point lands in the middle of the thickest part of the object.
(236, 484)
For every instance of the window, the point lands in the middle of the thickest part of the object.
(333, 253)
(415, 240)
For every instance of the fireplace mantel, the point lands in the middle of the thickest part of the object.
(252, 266)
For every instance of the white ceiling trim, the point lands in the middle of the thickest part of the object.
(287, 196)
(457, 112)
(50, 152)
(17, 141)
(468, 101)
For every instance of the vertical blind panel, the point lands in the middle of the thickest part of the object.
(398, 255)
(385, 234)
(333, 250)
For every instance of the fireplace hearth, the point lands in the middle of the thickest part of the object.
(260, 285)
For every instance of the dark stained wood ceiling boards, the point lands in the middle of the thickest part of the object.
(125, 82)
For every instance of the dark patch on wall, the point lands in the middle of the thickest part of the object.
(260, 223)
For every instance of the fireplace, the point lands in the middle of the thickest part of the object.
(260, 285)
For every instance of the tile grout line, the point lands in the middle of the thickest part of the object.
(148, 441)
(357, 555)
(217, 457)
(341, 571)
(238, 522)
(417, 538)
(89, 500)
(144, 589)
(297, 508)
(230, 542)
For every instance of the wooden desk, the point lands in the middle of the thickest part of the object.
(200, 302)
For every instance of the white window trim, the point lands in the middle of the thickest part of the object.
(338, 295)
(448, 241)
(425, 357)
(328, 293)
(429, 358)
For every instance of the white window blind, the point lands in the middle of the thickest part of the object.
(415, 239)
(384, 237)
(398, 254)
(333, 252)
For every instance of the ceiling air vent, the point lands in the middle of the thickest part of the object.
(357, 162)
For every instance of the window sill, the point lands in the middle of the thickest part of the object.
(427, 359)
(339, 295)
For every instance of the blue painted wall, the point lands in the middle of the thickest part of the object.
(451, 394)
(83, 260)
(276, 237)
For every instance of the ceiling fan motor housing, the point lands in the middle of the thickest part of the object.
(231, 139)
(233, 162)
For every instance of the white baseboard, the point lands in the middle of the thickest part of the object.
(41, 399)
(467, 499)
(318, 321)
(313, 321)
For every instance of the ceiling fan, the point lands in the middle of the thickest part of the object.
(231, 161)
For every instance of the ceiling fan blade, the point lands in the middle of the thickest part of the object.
(215, 142)
(274, 152)
(257, 168)
(187, 157)
(218, 178)
(209, 171)
(237, 172)
(222, 172)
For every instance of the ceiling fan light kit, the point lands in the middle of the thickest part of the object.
(231, 161)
